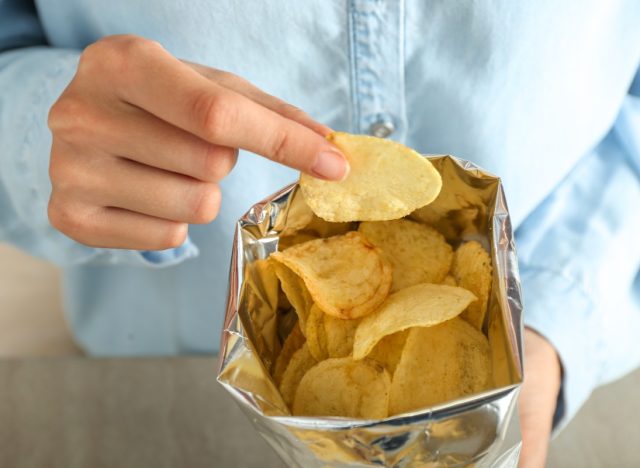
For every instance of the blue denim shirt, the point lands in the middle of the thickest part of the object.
(539, 93)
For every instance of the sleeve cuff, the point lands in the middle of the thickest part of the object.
(557, 308)
(170, 257)
(147, 258)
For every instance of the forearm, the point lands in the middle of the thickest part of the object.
(538, 396)
(578, 258)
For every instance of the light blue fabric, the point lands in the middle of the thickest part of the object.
(536, 92)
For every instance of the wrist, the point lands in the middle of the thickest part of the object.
(543, 360)
(538, 397)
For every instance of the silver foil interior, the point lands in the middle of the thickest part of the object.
(480, 430)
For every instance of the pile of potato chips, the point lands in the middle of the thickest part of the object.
(389, 315)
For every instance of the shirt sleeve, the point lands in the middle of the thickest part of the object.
(579, 254)
(32, 76)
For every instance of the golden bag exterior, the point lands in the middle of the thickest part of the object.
(480, 430)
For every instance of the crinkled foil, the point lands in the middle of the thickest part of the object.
(481, 430)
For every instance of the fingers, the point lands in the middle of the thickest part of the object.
(244, 87)
(140, 141)
(224, 117)
(120, 183)
(146, 139)
(106, 227)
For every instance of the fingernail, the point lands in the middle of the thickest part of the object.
(324, 130)
(331, 165)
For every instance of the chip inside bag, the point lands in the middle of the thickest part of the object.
(390, 340)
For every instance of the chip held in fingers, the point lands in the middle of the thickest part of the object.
(422, 305)
(387, 181)
(346, 276)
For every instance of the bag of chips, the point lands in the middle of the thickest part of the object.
(377, 321)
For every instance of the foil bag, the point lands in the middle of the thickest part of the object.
(481, 430)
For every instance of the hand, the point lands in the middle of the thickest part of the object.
(538, 398)
(141, 140)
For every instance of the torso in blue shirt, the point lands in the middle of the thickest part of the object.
(524, 89)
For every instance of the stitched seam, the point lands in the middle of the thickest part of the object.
(353, 62)
(402, 32)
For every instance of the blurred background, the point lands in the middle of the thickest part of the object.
(132, 412)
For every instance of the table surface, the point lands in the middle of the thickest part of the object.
(171, 412)
(139, 413)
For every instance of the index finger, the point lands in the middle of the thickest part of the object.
(171, 90)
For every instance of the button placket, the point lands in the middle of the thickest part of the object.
(377, 67)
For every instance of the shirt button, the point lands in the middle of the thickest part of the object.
(381, 129)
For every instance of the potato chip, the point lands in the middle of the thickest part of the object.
(472, 270)
(294, 239)
(387, 181)
(422, 305)
(329, 336)
(295, 290)
(321, 228)
(340, 335)
(389, 349)
(344, 387)
(315, 229)
(299, 364)
(296, 216)
(300, 219)
(417, 253)
(449, 281)
(283, 300)
(453, 212)
(439, 364)
(294, 342)
(447, 201)
(315, 333)
(345, 275)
